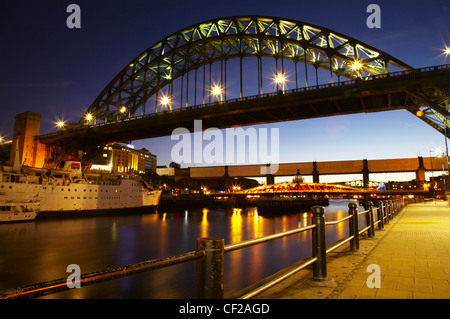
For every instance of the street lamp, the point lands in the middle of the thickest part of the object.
(165, 101)
(356, 66)
(445, 52)
(280, 79)
(217, 91)
(89, 117)
(60, 124)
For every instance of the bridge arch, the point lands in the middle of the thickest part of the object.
(222, 39)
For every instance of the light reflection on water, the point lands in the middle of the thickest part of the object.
(40, 251)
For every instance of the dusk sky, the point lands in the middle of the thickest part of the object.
(46, 67)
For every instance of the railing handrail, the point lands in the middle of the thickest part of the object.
(59, 285)
(260, 240)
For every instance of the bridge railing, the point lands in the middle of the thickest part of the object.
(267, 95)
(210, 256)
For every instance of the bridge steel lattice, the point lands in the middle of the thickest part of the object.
(196, 47)
(190, 75)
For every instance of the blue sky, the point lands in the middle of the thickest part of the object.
(47, 68)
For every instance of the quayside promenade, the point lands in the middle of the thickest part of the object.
(412, 252)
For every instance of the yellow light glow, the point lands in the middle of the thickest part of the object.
(280, 79)
(447, 50)
(216, 90)
(123, 109)
(89, 117)
(60, 124)
(165, 101)
(356, 65)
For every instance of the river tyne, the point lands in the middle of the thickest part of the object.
(40, 251)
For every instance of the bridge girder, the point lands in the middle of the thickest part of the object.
(227, 38)
(432, 106)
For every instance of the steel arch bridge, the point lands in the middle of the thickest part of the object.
(154, 88)
(223, 39)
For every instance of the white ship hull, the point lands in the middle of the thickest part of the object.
(18, 211)
(60, 194)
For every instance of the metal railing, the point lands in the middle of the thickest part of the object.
(210, 256)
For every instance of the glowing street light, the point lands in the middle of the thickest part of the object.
(89, 117)
(60, 124)
(446, 50)
(165, 101)
(356, 66)
(123, 109)
(280, 79)
(217, 91)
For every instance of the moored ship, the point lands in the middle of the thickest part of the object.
(18, 211)
(70, 191)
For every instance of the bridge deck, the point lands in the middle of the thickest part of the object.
(385, 92)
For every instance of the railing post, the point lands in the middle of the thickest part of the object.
(390, 209)
(369, 216)
(319, 248)
(380, 215)
(386, 211)
(354, 227)
(210, 268)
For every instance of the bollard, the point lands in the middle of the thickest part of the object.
(319, 248)
(210, 268)
(354, 227)
(369, 216)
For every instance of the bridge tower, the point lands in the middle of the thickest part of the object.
(365, 172)
(26, 140)
(420, 172)
(315, 173)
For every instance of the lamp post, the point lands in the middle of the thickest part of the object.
(166, 102)
(431, 162)
(217, 92)
(445, 122)
(280, 80)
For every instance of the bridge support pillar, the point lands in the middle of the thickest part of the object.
(270, 179)
(420, 172)
(315, 173)
(365, 172)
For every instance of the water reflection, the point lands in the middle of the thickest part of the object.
(40, 251)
